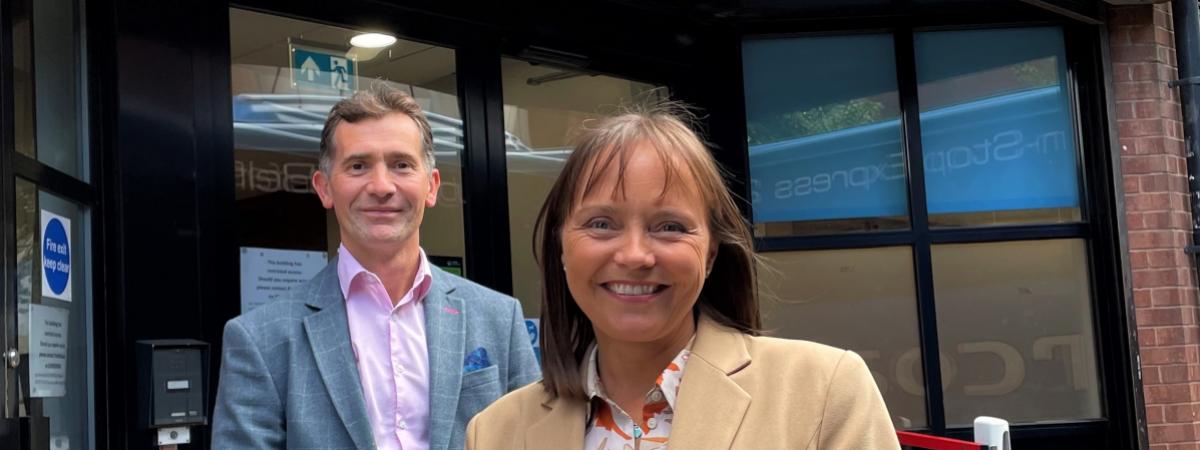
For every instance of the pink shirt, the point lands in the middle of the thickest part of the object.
(393, 360)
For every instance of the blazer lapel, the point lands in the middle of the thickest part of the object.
(445, 334)
(717, 353)
(329, 336)
(561, 428)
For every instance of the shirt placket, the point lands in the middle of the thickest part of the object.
(394, 333)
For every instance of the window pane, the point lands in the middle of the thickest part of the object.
(996, 127)
(541, 105)
(1015, 319)
(47, 294)
(22, 54)
(279, 112)
(826, 153)
(58, 97)
(862, 300)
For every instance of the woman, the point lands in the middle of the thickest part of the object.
(650, 317)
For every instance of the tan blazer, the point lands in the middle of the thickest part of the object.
(738, 391)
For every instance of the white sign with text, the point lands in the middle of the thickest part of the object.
(268, 273)
(47, 351)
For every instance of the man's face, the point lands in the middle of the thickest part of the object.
(378, 183)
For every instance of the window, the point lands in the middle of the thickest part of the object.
(984, 245)
(279, 109)
(542, 105)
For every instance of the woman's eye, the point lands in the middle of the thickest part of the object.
(599, 224)
(672, 228)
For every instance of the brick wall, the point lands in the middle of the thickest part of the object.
(1154, 171)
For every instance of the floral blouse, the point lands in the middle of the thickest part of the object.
(610, 428)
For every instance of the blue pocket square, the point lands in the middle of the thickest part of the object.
(476, 360)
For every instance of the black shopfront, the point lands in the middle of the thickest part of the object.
(175, 139)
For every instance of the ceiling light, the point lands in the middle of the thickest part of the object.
(372, 40)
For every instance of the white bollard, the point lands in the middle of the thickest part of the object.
(992, 432)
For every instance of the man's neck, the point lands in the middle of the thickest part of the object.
(395, 266)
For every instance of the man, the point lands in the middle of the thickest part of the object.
(379, 350)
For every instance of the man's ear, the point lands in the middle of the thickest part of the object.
(320, 182)
(435, 183)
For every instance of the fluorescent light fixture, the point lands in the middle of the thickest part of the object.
(372, 40)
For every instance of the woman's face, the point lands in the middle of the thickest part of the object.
(636, 262)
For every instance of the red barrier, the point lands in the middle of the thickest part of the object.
(926, 441)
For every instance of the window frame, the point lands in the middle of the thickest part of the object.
(1100, 227)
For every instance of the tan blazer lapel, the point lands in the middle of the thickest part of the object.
(560, 428)
(711, 406)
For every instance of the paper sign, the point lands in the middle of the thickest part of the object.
(269, 273)
(47, 351)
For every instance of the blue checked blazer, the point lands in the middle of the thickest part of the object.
(289, 378)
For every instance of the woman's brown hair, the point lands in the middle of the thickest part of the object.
(729, 295)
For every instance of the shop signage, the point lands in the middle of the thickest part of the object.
(56, 256)
(47, 351)
(1008, 152)
(268, 273)
(321, 69)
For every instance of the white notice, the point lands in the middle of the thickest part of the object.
(268, 273)
(47, 351)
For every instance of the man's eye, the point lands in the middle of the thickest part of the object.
(357, 166)
(403, 165)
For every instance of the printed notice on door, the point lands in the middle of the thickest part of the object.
(47, 351)
(269, 273)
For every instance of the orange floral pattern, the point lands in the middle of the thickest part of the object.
(610, 428)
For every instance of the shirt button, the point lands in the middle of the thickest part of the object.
(657, 396)
(652, 423)
(403, 426)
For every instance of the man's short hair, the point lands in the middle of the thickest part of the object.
(374, 103)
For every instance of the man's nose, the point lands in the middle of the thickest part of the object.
(380, 182)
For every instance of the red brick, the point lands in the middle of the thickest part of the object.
(1150, 239)
(1185, 413)
(1162, 258)
(1172, 433)
(1131, 15)
(1151, 145)
(1141, 127)
(1136, 90)
(1143, 164)
(1159, 182)
(1159, 316)
(1145, 110)
(1144, 71)
(1142, 298)
(1150, 375)
(1168, 393)
(1164, 356)
(1152, 201)
(1155, 414)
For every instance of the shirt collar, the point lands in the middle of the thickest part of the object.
(668, 381)
(349, 269)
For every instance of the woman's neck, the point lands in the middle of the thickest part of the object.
(630, 369)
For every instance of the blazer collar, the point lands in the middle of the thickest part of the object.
(328, 335)
(445, 336)
(561, 427)
(717, 354)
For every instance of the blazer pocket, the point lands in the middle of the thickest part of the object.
(481, 377)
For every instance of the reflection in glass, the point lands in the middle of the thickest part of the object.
(1015, 320)
(280, 103)
(826, 153)
(996, 127)
(72, 420)
(22, 58)
(542, 105)
(861, 300)
(59, 80)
